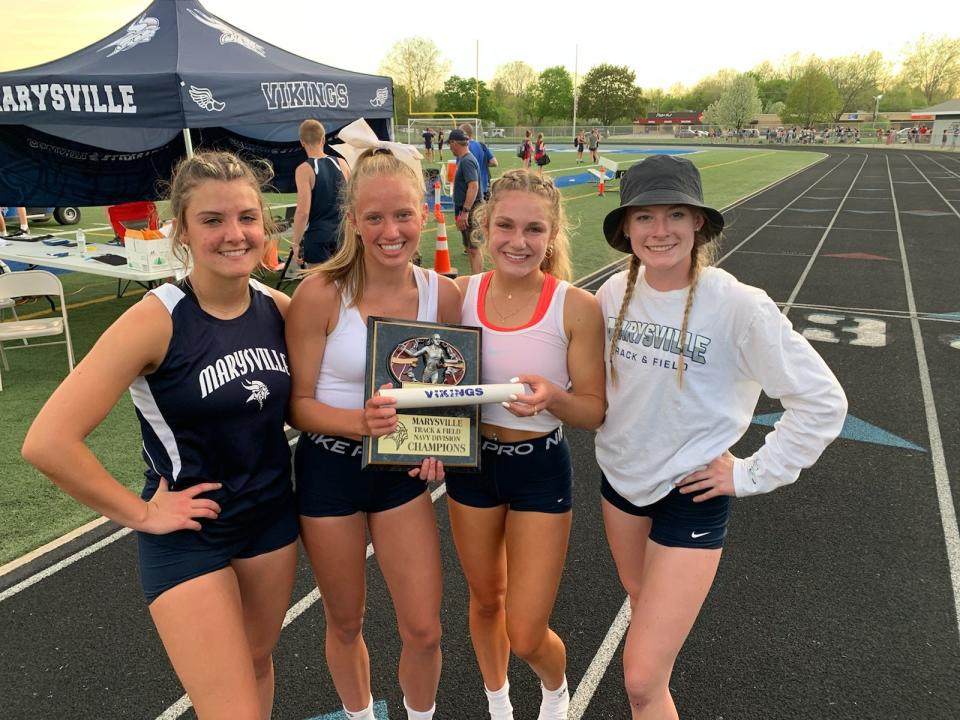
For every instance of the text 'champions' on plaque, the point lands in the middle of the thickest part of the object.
(439, 359)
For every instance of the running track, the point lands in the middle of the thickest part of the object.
(837, 597)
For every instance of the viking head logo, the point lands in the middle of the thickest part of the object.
(381, 98)
(140, 30)
(258, 391)
(399, 436)
(204, 98)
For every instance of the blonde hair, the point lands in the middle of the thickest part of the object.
(703, 255)
(346, 268)
(312, 132)
(192, 172)
(557, 260)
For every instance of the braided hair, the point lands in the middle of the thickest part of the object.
(703, 255)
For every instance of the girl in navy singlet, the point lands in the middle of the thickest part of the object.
(520, 506)
(371, 274)
(205, 362)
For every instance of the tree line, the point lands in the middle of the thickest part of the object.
(800, 89)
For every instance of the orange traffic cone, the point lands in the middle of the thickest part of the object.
(441, 258)
(603, 176)
(271, 257)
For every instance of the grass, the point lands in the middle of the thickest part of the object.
(33, 511)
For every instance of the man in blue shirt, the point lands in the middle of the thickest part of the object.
(485, 160)
(466, 195)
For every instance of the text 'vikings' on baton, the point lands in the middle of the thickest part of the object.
(438, 395)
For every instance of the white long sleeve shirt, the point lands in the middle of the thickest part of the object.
(737, 343)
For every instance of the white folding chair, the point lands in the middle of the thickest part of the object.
(34, 282)
(7, 304)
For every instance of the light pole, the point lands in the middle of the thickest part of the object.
(876, 108)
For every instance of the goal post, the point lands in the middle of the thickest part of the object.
(417, 126)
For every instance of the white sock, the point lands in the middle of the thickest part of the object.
(555, 703)
(498, 702)
(25, 228)
(419, 714)
(365, 714)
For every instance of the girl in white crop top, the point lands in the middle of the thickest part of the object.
(546, 333)
(371, 274)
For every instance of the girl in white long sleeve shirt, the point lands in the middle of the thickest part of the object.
(689, 350)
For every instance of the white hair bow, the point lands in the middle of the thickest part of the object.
(358, 137)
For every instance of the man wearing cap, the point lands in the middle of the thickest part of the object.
(485, 159)
(466, 195)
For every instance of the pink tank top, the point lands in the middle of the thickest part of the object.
(537, 348)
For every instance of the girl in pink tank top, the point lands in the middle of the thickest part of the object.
(537, 328)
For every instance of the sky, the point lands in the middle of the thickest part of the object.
(653, 39)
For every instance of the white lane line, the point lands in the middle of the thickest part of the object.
(780, 212)
(893, 314)
(601, 661)
(295, 611)
(951, 174)
(66, 562)
(935, 189)
(52, 545)
(823, 239)
(948, 513)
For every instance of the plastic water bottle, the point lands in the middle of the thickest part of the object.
(82, 242)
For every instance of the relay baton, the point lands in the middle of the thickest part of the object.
(440, 395)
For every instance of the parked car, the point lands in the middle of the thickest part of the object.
(63, 215)
(685, 133)
(494, 132)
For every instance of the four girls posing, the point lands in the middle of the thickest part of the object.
(208, 366)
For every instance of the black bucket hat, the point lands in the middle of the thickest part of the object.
(658, 180)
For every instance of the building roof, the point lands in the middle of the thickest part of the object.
(950, 107)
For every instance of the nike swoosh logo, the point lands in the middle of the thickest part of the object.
(695, 535)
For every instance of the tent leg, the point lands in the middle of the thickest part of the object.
(188, 142)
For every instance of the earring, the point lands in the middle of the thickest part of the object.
(549, 252)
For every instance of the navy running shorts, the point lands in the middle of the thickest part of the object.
(330, 482)
(529, 476)
(677, 520)
(168, 560)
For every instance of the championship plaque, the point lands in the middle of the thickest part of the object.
(442, 364)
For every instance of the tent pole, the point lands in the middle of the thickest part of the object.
(188, 142)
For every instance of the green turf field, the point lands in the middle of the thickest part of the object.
(33, 511)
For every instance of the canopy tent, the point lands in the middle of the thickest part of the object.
(103, 125)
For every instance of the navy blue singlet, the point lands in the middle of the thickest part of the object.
(323, 226)
(214, 410)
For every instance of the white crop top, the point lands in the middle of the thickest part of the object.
(341, 378)
(538, 348)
